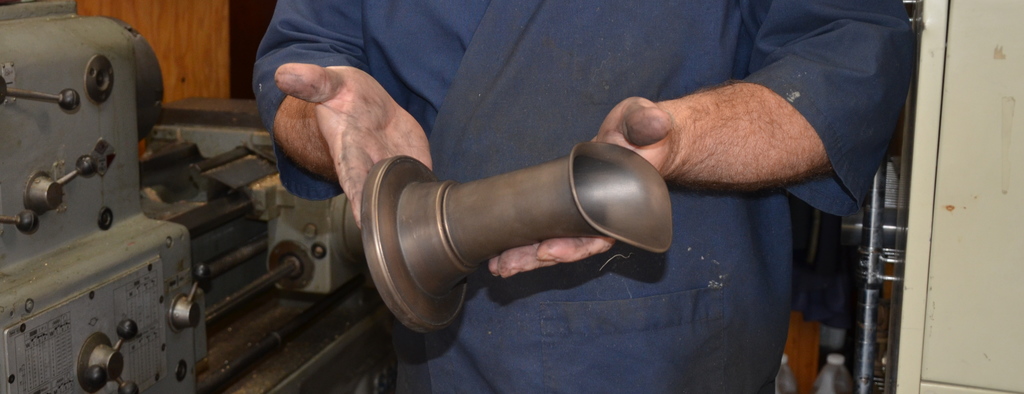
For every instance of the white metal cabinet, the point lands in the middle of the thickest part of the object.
(962, 327)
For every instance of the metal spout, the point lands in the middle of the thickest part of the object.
(422, 237)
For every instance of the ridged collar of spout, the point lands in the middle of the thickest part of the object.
(621, 195)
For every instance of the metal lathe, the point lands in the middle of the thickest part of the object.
(181, 266)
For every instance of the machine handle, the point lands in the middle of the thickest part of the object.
(44, 194)
(84, 166)
(67, 99)
(25, 221)
(99, 362)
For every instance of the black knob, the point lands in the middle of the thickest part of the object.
(95, 376)
(128, 387)
(86, 166)
(127, 329)
(28, 222)
(68, 100)
(25, 221)
(202, 272)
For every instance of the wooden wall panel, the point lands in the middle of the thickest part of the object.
(802, 348)
(190, 38)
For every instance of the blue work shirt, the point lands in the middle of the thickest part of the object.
(502, 85)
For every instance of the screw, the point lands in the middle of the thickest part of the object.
(318, 250)
(29, 305)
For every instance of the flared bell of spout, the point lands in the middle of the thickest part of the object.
(422, 237)
(622, 196)
(599, 189)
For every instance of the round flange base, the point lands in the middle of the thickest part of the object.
(415, 308)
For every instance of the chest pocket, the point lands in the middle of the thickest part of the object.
(654, 345)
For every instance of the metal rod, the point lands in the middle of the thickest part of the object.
(212, 269)
(221, 159)
(67, 99)
(36, 96)
(870, 275)
(290, 267)
(275, 339)
(68, 177)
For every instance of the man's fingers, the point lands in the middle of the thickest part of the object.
(516, 260)
(307, 81)
(549, 252)
(565, 250)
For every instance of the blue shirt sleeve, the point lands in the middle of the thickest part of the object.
(846, 66)
(325, 33)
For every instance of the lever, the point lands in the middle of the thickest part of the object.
(126, 330)
(184, 312)
(84, 166)
(67, 99)
(43, 193)
(25, 221)
(100, 363)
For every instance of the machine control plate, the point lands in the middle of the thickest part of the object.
(40, 353)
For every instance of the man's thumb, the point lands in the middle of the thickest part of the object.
(308, 82)
(645, 123)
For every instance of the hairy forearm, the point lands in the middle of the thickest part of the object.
(740, 136)
(297, 134)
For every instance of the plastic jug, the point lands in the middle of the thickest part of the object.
(785, 381)
(834, 378)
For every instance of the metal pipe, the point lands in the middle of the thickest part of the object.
(275, 339)
(213, 214)
(870, 275)
(212, 269)
(291, 267)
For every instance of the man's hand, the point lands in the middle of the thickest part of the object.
(339, 122)
(635, 123)
(737, 137)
